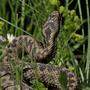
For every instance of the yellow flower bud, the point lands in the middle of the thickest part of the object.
(54, 2)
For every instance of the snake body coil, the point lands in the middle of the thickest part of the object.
(48, 74)
(31, 46)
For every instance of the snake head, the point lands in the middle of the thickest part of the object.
(51, 26)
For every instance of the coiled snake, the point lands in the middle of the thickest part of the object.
(48, 74)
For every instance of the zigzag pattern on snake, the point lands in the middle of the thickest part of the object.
(40, 52)
(36, 50)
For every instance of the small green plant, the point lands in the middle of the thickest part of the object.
(71, 24)
(19, 17)
(1, 26)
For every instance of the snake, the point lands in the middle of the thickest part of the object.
(48, 74)
(34, 48)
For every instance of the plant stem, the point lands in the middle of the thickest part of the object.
(14, 25)
(80, 11)
(22, 18)
(88, 49)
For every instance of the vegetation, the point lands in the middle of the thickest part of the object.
(27, 17)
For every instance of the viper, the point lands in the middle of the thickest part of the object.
(40, 52)
(34, 48)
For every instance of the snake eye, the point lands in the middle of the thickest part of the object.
(53, 15)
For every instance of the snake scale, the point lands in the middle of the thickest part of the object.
(47, 74)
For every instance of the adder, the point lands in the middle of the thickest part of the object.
(47, 74)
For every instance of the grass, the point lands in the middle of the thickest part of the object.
(27, 17)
